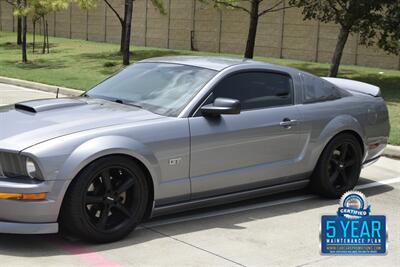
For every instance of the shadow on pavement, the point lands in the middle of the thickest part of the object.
(53, 245)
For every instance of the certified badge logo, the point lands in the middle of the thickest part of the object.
(353, 230)
(353, 205)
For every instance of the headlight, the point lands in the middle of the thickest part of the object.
(17, 166)
(31, 169)
(1, 171)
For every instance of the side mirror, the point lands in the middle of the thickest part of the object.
(221, 106)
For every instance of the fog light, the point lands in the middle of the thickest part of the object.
(30, 168)
(23, 196)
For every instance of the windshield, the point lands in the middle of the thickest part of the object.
(161, 88)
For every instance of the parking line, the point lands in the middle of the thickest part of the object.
(257, 206)
(86, 255)
(379, 183)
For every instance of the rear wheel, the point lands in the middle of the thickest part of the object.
(339, 167)
(106, 200)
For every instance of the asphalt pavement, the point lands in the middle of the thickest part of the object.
(279, 230)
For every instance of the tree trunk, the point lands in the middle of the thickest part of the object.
(122, 42)
(47, 37)
(19, 30)
(19, 26)
(24, 28)
(127, 32)
(337, 55)
(251, 39)
(44, 36)
(34, 36)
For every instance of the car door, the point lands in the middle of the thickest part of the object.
(252, 149)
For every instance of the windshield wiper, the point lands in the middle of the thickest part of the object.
(129, 103)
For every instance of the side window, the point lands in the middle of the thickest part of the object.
(317, 90)
(256, 90)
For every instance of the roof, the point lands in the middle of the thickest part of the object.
(214, 63)
(218, 63)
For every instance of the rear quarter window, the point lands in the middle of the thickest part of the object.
(316, 89)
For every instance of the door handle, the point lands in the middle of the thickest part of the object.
(288, 123)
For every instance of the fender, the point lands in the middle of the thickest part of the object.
(60, 168)
(102, 146)
(335, 126)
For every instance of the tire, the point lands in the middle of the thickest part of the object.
(338, 168)
(106, 201)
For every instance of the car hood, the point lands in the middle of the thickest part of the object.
(28, 123)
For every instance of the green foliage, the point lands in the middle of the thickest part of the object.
(86, 4)
(231, 4)
(247, 5)
(227, 3)
(159, 4)
(389, 36)
(40, 8)
(366, 17)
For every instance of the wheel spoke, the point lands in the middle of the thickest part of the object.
(343, 152)
(93, 199)
(110, 200)
(123, 210)
(350, 163)
(105, 175)
(103, 218)
(343, 175)
(93, 210)
(125, 185)
(335, 161)
(334, 176)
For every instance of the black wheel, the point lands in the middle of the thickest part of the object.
(339, 167)
(106, 200)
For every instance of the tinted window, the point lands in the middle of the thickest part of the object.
(256, 89)
(161, 88)
(317, 89)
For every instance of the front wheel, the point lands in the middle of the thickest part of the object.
(339, 167)
(106, 200)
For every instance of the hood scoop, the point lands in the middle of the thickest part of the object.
(37, 106)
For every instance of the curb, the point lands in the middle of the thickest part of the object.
(41, 86)
(392, 152)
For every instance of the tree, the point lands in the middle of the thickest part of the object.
(36, 8)
(39, 9)
(125, 21)
(21, 10)
(353, 16)
(389, 34)
(14, 4)
(19, 27)
(254, 12)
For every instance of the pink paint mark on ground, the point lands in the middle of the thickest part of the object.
(84, 254)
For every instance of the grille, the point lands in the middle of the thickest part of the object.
(11, 165)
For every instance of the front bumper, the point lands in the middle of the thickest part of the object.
(28, 228)
(31, 216)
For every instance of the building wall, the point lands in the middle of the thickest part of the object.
(188, 23)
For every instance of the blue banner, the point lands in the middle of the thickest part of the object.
(365, 235)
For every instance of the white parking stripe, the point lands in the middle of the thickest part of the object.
(257, 206)
(379, 183)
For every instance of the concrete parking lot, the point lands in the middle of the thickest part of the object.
(280, 230)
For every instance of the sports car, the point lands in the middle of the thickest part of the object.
(170, 134)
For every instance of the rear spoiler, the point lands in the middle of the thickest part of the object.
(355, 86)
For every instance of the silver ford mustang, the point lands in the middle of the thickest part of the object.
(177, 133)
